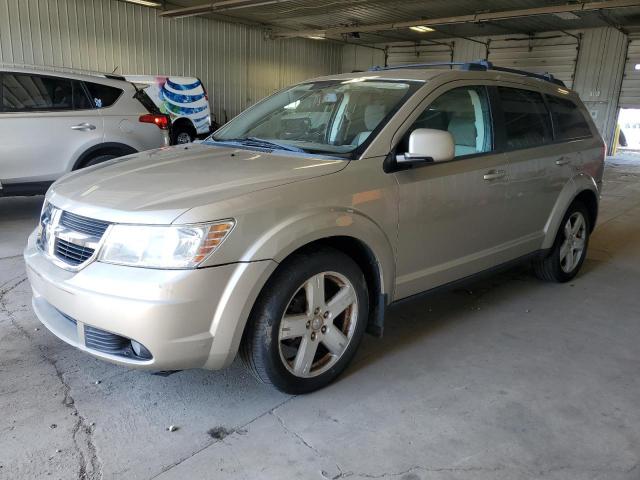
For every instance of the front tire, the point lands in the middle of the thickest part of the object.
(308, 321)
(569, 248)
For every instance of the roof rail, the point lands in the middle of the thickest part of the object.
(476, 65)
(418, 65)
(486, 65)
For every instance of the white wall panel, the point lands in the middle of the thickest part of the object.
(406, 53)
(543, 53)
(599, 76)
(237, 63)
(592, 67)
(360, 58)
(630, 94)
(468, 50)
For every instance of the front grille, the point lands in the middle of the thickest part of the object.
(71, 253)
(68, 237)
(104, 341)
(81, 224)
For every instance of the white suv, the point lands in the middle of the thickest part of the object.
(53, 123)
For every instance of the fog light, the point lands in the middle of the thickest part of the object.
(140, 350)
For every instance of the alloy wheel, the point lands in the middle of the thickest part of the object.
(575, 239)
(318, 324)
(183, 137)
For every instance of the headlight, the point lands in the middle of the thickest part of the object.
(179, 246)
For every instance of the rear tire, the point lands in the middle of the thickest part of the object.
(182, 135)
(569, 248)
(308, 321)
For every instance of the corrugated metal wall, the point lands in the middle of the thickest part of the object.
(359, 58)
(237, 63)
(404, 53)
(593, 66)
(599, 76)
(542, 53)
(466, 50)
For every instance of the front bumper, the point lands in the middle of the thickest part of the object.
(185, 318)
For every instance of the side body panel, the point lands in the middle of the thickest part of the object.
(359, 201)
(41, 146)
(451, 219)
(546, 179)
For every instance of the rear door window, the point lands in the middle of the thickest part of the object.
(568, 121)
(103, 96)
(81, 100)
(526, 119)
(24, 92)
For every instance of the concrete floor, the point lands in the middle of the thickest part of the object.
(508, 379)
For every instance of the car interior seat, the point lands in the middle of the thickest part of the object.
(373, 115)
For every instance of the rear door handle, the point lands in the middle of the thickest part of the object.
(85, 127)
(562, 161)
(494, 174)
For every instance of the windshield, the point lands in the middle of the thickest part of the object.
(331, 117)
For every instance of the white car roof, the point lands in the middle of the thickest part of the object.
(74, 74)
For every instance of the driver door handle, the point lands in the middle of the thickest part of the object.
(494, 174)
(85, 127)
(563, 161)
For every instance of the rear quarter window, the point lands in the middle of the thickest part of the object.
(526, 118)
(103, 96)
(568, 121)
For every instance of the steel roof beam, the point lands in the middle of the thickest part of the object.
(473, 18)
(219, 6)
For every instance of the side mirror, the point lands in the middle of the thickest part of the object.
(427, 145)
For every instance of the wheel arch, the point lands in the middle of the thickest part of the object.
(350, 232)
(582, 188)
(347, 230)
(107, 148)
(590, 200)
(366, 260)
(183, 123)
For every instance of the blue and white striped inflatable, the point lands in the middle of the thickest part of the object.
(182, 97)
(178, 97)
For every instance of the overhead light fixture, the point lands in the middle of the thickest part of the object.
(145, 3)
(421, 29)
(567, 16)
(316, 37)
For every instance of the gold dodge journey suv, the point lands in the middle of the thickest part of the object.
(288, 232)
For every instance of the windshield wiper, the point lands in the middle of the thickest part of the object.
(259, 142)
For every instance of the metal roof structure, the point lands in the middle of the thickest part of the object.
(352, 20)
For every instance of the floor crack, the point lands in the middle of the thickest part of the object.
(307, 444)
(209, 444)
(295, 434)
(90, 467)
(20, 280)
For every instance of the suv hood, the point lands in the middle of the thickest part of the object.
(159, 185)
